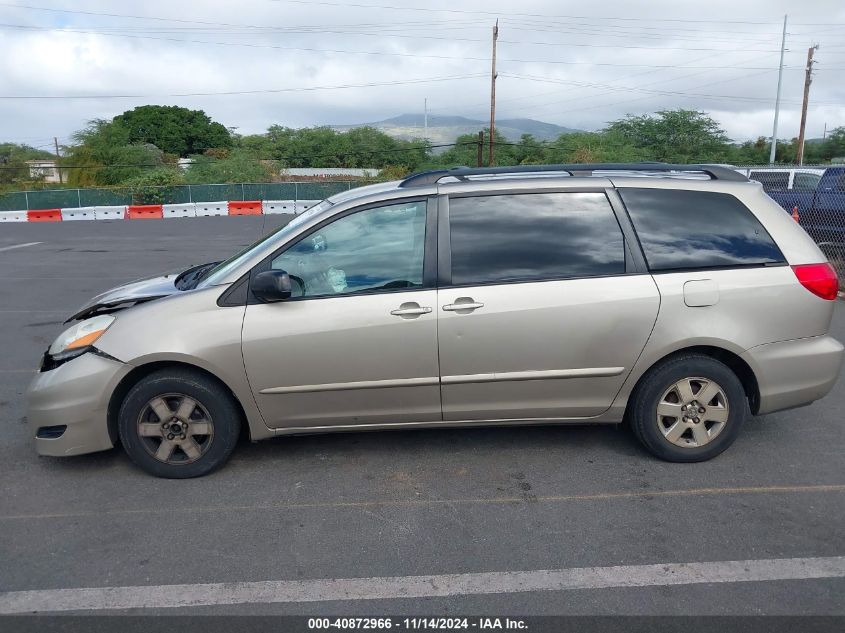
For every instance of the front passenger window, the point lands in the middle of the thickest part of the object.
(374, 249)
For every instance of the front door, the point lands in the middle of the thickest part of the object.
(357, 344)
(540, 314)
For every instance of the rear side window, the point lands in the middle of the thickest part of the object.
(534, 237)
(681, 229)
(771, 180)
(805, 182)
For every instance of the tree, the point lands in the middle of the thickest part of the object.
(675, 136)
(235, 166)
(326, 147)
(155, 186)
(464, 152)
(834, 145)
(172, 129)
(594, 147)
(13, 157)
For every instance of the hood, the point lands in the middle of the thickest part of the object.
(141, 291)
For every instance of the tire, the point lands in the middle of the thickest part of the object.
(178, 423)
(669, 385)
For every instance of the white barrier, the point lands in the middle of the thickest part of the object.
(109, 213)
(78, 213)
(269, 207)
(186, 210)
(304, 205)
(13, 216)
(211, 208)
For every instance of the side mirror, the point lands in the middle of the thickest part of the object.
(271, 286)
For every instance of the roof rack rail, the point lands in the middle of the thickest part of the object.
(432, 177)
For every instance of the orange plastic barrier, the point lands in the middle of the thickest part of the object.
(44, 215)
(144, 212)
(247, 207)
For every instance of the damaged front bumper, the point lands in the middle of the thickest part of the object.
(67, 407)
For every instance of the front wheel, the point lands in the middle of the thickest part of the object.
(688, 409)
(178, 423)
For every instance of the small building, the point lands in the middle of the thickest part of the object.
(44, 169)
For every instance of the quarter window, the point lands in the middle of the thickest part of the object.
(682, 229)
(804, 181)
(771, 180)
(378, 249)
(505, 238)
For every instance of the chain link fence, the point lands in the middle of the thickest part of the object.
(815, 197)
(176, 194)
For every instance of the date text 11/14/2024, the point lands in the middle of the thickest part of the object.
(418, 624)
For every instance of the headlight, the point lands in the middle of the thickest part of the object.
(77, 338)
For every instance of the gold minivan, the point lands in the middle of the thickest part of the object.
(678, 298)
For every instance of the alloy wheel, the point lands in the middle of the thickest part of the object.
(692, 412)
(175, 428)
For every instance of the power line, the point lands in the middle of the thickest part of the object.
(427, 37)
(626, 101)
(544, 15)
(200, 22)
(249, 92)
(375, 53)
(635, 89)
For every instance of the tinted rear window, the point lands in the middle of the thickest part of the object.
(805, 181)
(681, 229)
(771, 180)
(534, 237)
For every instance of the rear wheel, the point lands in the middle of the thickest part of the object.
(688, 409)
(178, 424)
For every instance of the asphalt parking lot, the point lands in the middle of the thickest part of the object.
(395, 504)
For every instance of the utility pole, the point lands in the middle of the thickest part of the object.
(58, 158)
(479, 160)
(490, 152)
(808, 79)
(425, 118)
(777, 99)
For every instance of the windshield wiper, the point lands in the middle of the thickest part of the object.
(188, 279)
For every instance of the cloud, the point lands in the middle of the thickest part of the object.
(573, 66)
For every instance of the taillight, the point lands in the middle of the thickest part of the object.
(820, 279)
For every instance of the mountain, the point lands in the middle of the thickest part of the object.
(445, 129)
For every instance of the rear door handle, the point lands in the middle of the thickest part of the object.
(465, 305)
(410, 309)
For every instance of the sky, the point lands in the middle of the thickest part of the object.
(250, 64)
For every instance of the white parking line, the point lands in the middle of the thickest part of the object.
(9, 248)
(291, 591)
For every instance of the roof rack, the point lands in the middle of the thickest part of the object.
(462, 173)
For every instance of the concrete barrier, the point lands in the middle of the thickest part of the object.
(304, 205)
(159, 211)
(270, 207)
(44, 215)
(13, 216)
(212, 208)
(185, 210)
(245, 207)
(144, 212)
(79, 213)
(111, 212)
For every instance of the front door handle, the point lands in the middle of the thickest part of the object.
(461, 304)
(410, 309)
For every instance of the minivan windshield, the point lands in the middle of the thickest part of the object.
(218, 274)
